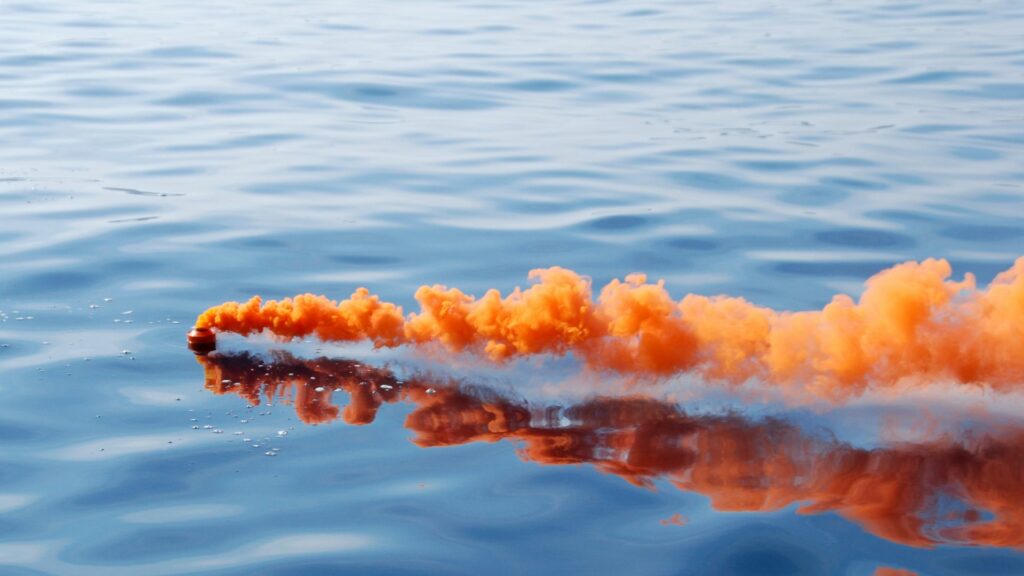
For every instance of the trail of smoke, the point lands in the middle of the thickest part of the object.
(911, 323)
(946, 491)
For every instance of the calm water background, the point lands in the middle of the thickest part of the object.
(158, 158)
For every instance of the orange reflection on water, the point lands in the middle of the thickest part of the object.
(676, 519)
(884, 571)
(965, 491)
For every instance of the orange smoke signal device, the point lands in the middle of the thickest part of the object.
(202, 340)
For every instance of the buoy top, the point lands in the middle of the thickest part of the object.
(202, 340)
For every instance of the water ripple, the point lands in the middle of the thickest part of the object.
(170, 157)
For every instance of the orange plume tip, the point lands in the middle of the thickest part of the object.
(202, 340)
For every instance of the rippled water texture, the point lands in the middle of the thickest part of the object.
(160, 158)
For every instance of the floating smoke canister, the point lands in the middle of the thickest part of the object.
(202, 340)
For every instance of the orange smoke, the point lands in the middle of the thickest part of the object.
(361, 317)
(911, 322)
(942, 492)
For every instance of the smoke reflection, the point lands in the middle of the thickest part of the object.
(946, 491)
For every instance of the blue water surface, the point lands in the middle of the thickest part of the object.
(157, 158)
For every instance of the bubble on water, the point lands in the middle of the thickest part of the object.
(126, 352)
(319, 389)
(207, 427)
(431, 391)
(127, 312)
(244, 421)
(386, 387)
(107, 299)
(218, 431)
(282, 432)
(195, 427)
(246, 439)
(270, 453)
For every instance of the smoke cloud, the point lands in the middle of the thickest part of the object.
(911, 324)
